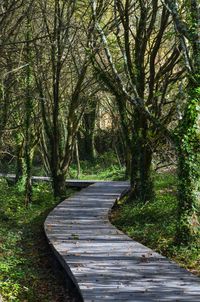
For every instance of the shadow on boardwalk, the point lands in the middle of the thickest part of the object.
(105, 264)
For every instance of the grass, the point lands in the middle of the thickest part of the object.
(26, 273)
(25, 270)
(154, 224)
(105, 167)
(25, 259)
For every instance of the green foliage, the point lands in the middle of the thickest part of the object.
(25, 274)
(154, 224)
(104, 167)
(189, 171)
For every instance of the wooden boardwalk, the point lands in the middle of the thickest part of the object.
(105, 264)
(69, 182)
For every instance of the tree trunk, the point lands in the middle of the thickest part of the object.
(28, 175)
(89, 119)
(188, 172)
(77, 159)
(19, 163)
(59, 185)
(188, 141)
(125, 137)
(28, 113)
(141, 175)
(90, 151)
(146, 187)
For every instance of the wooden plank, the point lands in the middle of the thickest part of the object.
(107, 265)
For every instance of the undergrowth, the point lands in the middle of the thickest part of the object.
(26, 273)
(105, 167)
(154, 223)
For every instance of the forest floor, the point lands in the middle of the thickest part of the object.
(154, 223)
(26, 271)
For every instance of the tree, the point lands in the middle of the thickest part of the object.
(11, 17)
(187, 27)
(16, 79)
(136, 64)
(61, 77)
(88, 129)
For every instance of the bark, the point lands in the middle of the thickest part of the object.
(59, 185)
(28, 113)
(141, 172)
(89, 119)
(77, 159)
(188, 172)
(188, 140)
(19, 163)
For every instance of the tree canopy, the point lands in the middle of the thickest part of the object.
(68, 66)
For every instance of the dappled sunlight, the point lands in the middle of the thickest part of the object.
(107, 265)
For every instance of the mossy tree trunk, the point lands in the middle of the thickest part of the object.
(141, 169)
(189, 170)
(188, 140)
(59, 185)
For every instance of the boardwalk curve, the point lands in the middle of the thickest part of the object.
(105, 264)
